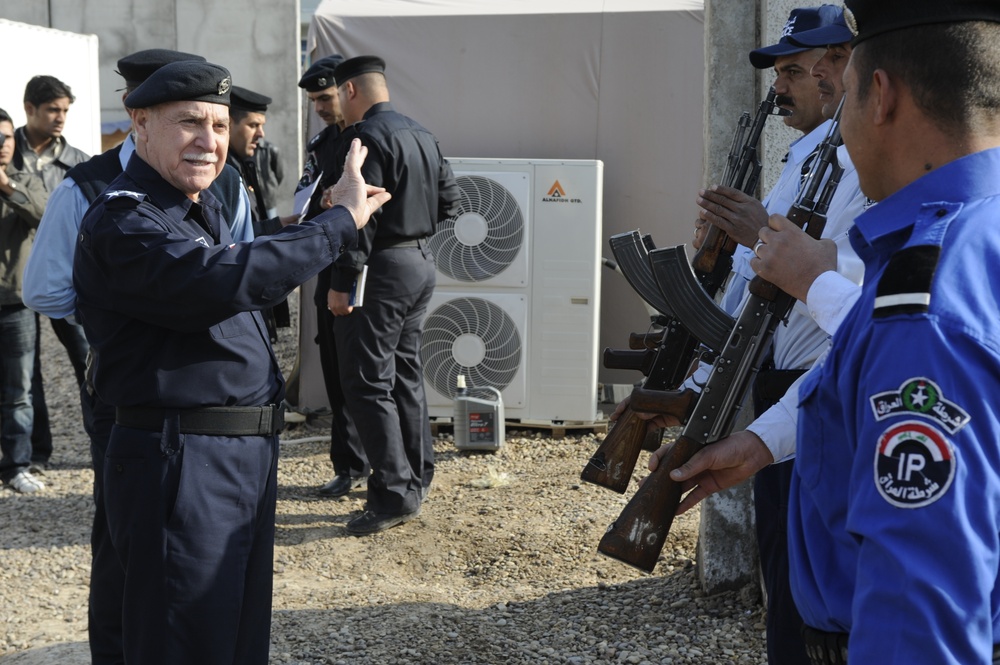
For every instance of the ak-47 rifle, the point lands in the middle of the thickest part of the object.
(637, 536)
(612, 464)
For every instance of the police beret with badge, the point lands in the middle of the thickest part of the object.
(186, 81)
(870, 18)
(362, 64)
(319, 76)
(803, 19)
(248, 100)
(137, 67)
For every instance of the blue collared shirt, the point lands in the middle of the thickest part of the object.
(894, 521)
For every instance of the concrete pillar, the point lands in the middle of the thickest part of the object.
(727, 546)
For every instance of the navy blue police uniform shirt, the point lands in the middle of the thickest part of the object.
(399, 149)
(170, 303)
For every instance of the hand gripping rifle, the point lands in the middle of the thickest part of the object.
(637, 536)
(670, 362)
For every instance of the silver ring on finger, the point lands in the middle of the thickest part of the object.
(757, 246)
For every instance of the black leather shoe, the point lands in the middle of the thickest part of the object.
(370, 522)
(341, 485)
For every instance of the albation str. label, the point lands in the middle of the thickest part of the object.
(914, 464)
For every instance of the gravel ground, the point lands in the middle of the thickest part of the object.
(500, 567)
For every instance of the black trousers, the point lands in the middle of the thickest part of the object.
(379, 350)
(346, 452)
(770, 491)
(192, 521)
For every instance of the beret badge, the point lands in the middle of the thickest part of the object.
(851, 21)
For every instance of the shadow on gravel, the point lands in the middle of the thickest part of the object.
(646, 620)
(55, 521)
(64, 653)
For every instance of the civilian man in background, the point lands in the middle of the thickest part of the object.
(43, 151)
(384, 383)
(22, 199)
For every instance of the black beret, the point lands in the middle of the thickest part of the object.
(801, 20)
(868, 18)
(136, 67)
(363, 64)
(185, 81)
(319, 76)
(248, 100)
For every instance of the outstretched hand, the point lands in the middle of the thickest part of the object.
(716, 467)
(351, 191)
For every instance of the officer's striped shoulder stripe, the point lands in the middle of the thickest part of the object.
(905, 286)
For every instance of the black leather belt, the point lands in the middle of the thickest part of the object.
(398, 243)
(212, 420)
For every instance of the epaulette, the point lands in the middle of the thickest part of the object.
(121, 198)
(315, 141)
(905, 286)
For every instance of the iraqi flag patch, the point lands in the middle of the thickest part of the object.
(914, 464)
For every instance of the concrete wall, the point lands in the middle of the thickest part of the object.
(257, 40)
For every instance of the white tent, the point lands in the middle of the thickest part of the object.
(619, 81)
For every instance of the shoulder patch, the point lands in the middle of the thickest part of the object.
(914, 464)
(905, 286)
(120, 193)
(920, 396)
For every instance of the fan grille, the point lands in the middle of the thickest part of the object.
(484, 238)
(470, 336)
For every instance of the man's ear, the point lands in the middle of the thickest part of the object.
(140, 121)
(886, 92)
(29, 109)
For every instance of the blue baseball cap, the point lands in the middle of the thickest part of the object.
(804, 20)
(835, 32)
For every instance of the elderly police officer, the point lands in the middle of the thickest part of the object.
(169, 303)
(48, 289)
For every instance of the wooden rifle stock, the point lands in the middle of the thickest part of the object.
(614, 461)
(637, 536)
(717, 243)
(612, 464)
(676, 403)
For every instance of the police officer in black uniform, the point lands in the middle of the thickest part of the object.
(171, 307)
(350, 464)
(247, 116)
(384, 382)
(60, 226)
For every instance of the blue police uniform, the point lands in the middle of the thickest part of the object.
(384, 385)
(894, 524)
(171, 306)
